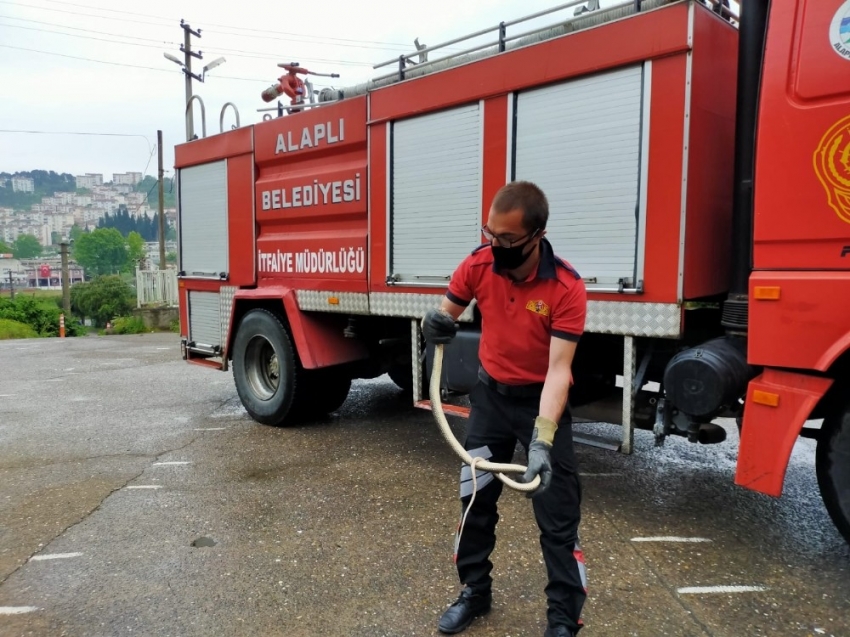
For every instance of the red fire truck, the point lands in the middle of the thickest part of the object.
(697, 166)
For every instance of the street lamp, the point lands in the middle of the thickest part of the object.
(182, 65)
(186, 67)
(211, 66)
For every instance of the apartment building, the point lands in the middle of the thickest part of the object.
(23, 184)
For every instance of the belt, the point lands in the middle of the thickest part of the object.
(515, 391)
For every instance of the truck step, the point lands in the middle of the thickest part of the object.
(450, 410)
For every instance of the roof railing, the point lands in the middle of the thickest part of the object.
(721, 7)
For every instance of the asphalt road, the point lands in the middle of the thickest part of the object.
(138, 498)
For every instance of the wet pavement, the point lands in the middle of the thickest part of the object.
(138, 498)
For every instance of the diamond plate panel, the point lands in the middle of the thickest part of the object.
(226, 299)
(410, 305)
(317, 301)
(634, 319)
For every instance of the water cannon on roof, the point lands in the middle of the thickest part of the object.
(291, 85)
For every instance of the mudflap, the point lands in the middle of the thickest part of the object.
(777, 405)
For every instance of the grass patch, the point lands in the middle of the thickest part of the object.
(14, 329)
(129, 325)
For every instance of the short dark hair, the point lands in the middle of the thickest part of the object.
(525, 196)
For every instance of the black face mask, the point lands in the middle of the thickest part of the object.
(510, 258)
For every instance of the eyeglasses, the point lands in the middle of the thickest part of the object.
(505, 243)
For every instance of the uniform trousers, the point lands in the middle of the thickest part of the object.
(496, 422)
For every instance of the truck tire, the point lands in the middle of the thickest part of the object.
(320, 392)
(832, 463)
(265, 368)
(402, 376)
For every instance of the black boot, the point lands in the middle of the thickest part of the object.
(558, 631)
(468, 606)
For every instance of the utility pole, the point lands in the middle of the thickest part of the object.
(66, 286)
(11, 285)
(188, 53)
(161, 203)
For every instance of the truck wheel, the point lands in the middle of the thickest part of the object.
(402, 376)
(832, 463)
(264, 367)
(320, 392)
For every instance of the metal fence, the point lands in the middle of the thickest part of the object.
(156, 287)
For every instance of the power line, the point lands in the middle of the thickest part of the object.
(276, 58)
(135, 66)
(260, 55)
(276, 34)
(87, 15)
(86, 6)
(56, 24)
(76, 57)
(85, 37)
(45, 132)
(229, 26)
(236, 52)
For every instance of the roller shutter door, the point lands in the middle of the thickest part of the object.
(205, 318)
(580, 141)
(203, 220)
(435, 193)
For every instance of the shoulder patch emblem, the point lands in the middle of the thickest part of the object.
(538, 307)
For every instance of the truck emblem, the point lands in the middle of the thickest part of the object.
(832, 166)
(839, 31)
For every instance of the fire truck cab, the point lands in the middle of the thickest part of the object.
(696, 165)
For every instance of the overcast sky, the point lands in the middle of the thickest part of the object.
(141, 91)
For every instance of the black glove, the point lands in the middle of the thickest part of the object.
(539, 463)
(539, 459)
(439, 328)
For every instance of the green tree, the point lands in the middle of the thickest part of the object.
(171, 233)
(26, 247)
(103, 299)
(135, 247)
(76, 232)
(171, 257)
(5, 249)
(102, 251)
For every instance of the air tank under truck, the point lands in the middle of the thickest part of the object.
(696, 168)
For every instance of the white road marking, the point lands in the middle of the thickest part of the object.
(698, 590)
(163, 348)
(54, 556)
(173, 462)
(211, 429)
(670, 539)
(145, 486)
(54, 380)
(17, 610)
(7, 395)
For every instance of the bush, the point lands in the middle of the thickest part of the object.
(40, 314)
(103, 298)
(14, 329)
(129, 325)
